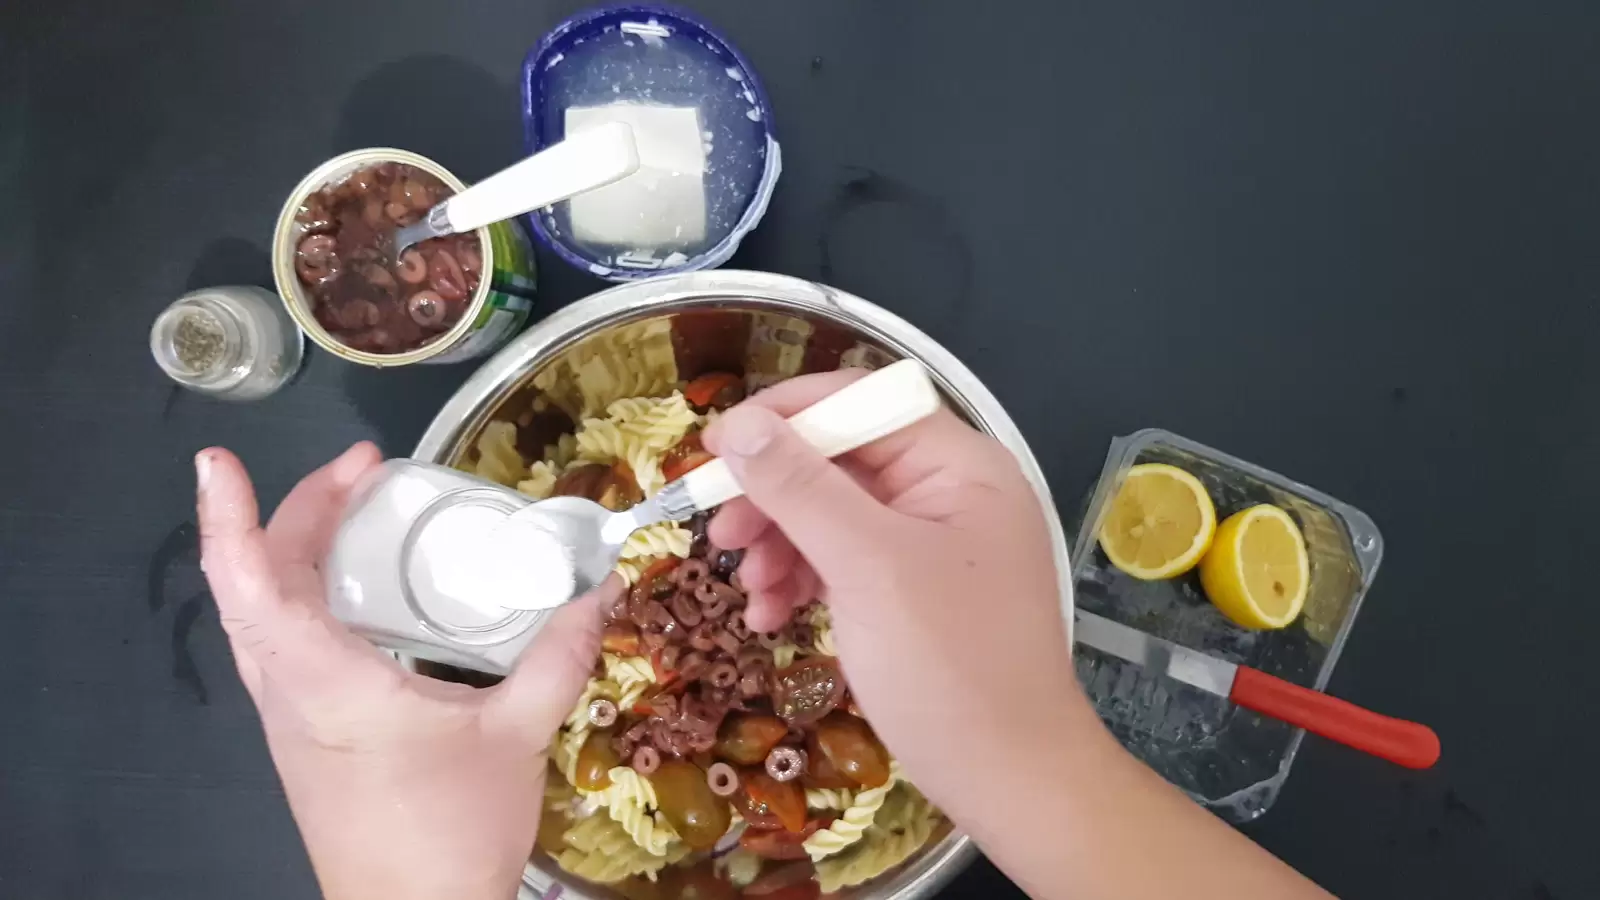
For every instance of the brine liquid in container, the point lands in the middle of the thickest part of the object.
(430, 561)
(1228, 758)
(701, 125)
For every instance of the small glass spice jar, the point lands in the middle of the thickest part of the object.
(233, 343)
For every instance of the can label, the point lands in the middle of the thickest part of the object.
(509, 301)
(501, 317)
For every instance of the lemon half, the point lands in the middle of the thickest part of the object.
(1257, 571)
(1159, 524)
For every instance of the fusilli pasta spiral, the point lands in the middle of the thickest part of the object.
(540, 482)
(576, 729)
(628, 786)
(822, 631)
(886, 844)
(825, 798)
(660, 424)
(578, 719)
(739, 866)
(631, 361)
(630, 801)
(602, 851)
(649, 831)
(567, 746)
(852, 824)
(632, 569)
(498, 460)
(603, 441)
(662, 539)
(561, 454)
(783, 655)
(627, 671)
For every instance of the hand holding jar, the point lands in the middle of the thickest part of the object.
(402, 786)
(934, 559)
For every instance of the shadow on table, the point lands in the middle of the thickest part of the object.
(399, 403)
(897, 245)
(450, 111)
(231, 260)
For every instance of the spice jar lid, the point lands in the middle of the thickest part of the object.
(708, 156)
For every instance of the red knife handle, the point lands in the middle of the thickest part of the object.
(1405, 743)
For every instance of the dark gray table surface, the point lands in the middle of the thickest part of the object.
(1353, 242)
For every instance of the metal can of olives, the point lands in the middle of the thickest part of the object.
(497, 310)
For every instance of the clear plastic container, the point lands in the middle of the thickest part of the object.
(1229, 759)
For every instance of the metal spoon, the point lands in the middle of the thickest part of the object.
(878, 405)
(590, 159)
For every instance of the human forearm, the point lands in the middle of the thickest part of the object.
(1096, 823)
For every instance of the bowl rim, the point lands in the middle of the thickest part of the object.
(496, 379)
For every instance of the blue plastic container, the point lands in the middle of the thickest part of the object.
(615, 60)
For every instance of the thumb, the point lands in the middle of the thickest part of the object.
(555, 667)
(823, 511)
(271, 629)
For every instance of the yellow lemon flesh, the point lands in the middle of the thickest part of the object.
(1159, 524)
(1257, 571)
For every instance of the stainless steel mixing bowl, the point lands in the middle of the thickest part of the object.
(776, 327)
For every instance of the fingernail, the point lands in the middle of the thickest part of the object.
(202, 468)
(746, 432)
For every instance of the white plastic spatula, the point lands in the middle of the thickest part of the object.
(583, 162)
(878, 405)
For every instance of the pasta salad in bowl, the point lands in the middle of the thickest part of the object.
(703, 759)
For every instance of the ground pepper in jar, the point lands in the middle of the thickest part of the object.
(234, 343)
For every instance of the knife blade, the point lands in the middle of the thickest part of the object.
(1209, 674)
(1408, 744)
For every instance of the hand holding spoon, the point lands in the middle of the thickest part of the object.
(590, 159)
(878, 405)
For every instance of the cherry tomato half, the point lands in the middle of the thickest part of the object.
(807, 690)
(767, 796)
(821, 772)
(621, 639)
(645, 586)
(747, 739)
(699, 816)
(848, 743)
(688, 455)
(777, 843)
(596, 760)
(621, 490)
(714, 390)
(580, 481)
(613, 487)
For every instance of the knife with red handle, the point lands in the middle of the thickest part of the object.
(1409, 744)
